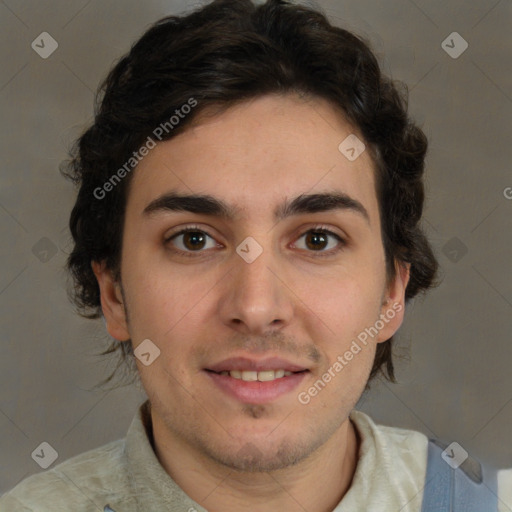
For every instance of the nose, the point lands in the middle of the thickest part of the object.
(255, 298)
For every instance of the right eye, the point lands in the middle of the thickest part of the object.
(190, 240)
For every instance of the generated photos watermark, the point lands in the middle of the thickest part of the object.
(158, 133)
(355, 348)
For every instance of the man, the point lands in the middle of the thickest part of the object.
(247, 224)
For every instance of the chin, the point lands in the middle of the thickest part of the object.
(251, 458)
(262, 452)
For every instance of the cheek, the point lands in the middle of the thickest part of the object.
(172, 308)
(347, 302)
(347, 315)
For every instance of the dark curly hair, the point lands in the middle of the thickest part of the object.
(224, 53)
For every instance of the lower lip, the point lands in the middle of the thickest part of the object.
(257, 392)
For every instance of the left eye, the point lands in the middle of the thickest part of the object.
(318, 240)
(192, 240)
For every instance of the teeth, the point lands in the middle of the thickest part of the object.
(266, 375)
(252, 376)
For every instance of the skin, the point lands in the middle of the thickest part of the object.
(290, 302)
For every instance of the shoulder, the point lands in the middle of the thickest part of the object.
(397, 442)
(405, 452)
(81, 483)
(396, 456)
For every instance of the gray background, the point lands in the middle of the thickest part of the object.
(455, 347)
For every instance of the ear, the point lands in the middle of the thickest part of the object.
(393, 304)
(111, 302)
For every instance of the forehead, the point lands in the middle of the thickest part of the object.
(257, 153)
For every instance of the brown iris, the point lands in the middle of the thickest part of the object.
(316, 240)
(194, 240)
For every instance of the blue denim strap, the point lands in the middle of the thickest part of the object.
(468, 488)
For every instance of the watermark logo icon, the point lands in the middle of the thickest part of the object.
(45, 455)
(44, 45)
(249, 249)
(352, 147)
(44, 250)
(455, 249)
(147, 352)
(454, 455)
(454, 45)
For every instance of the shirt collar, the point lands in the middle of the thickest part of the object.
(152, 487)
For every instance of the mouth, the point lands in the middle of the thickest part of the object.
(256, 382)
(260, 376)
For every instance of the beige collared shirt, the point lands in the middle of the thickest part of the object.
(127, 476)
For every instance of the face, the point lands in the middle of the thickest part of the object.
(259, 307)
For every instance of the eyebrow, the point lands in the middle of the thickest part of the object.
(205, 204)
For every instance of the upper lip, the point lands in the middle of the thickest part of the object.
(244, 363)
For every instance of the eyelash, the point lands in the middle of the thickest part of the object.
(316, 229)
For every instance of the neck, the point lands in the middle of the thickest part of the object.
(316, 484)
